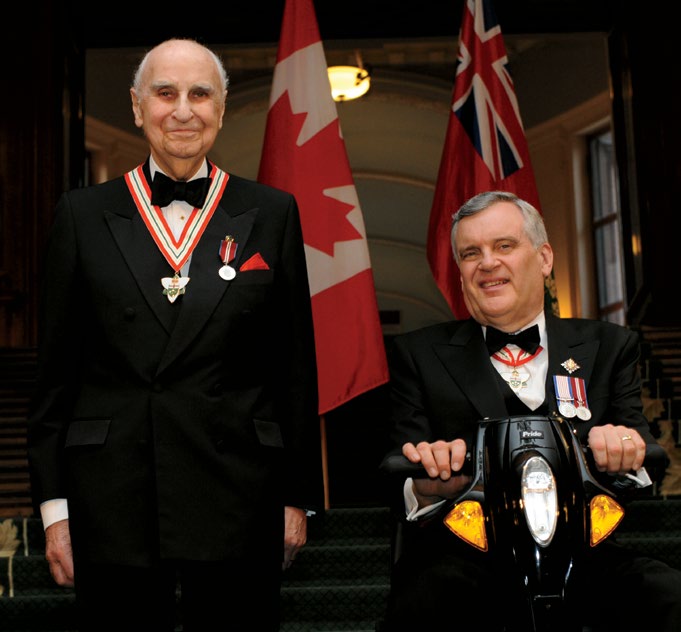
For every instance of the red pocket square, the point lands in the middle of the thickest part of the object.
(256, 262)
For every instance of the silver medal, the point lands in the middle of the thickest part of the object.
(583, 413)
(567, 409)
(227, 273)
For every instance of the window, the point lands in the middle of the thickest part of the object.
(607, 230)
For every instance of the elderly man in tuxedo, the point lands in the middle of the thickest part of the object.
(174, 436)
(445, 378)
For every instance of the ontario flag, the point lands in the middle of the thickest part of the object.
(485, 147)
(304, 153)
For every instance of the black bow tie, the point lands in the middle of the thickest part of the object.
(164, 190)
(528, 339)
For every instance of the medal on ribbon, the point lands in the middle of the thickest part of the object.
(516, 379)
(564, 395)
(174, 286)
(175, 251)
(579, 389)
(227, 252)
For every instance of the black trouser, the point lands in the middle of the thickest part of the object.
(201, 596)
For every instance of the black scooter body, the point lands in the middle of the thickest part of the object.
(538, 576)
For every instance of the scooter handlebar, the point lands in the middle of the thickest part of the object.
(400, 465)
(656, 460)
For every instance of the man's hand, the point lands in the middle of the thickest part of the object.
(295, 534)
(439, 459)
(58, 553)
(616, 449)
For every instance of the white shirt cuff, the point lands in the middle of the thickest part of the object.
(53, 511)
(412, 505)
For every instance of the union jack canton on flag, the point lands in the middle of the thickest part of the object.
(485, 147)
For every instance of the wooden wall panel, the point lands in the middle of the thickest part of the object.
(41, 124)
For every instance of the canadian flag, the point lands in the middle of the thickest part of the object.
(304, 153)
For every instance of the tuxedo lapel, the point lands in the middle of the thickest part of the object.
(145, 261)
(467, 361)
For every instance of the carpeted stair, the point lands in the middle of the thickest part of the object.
(340, 579)
(339, 582)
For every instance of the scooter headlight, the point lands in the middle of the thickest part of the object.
(539, 499)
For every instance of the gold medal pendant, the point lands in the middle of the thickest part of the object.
(174, 286)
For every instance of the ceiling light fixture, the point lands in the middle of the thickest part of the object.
(349, 82)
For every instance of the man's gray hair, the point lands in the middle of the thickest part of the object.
(533, 221)
(139, 71)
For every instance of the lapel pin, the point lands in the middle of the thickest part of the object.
(570, 365)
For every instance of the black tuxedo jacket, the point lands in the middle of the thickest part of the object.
(443, 382)
(178, 430)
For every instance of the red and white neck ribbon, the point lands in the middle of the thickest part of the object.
(176, 251)
(506, 356)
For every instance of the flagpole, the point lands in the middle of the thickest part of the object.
(325, 463)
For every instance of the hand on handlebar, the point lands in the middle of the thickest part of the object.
(616, 449)
(440, 459)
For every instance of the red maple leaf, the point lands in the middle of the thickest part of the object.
(321, 163)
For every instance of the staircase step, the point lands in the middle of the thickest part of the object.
(14, 464)
(13, 399)
(52, 612)
(654, 514)
(11, 452)
(327, 564)
(329, 626)
(17, 509)
(659, 546)
(364, 524)
(28, 575)
(9, 502)
(360, 602)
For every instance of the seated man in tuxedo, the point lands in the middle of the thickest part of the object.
(445, 379)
